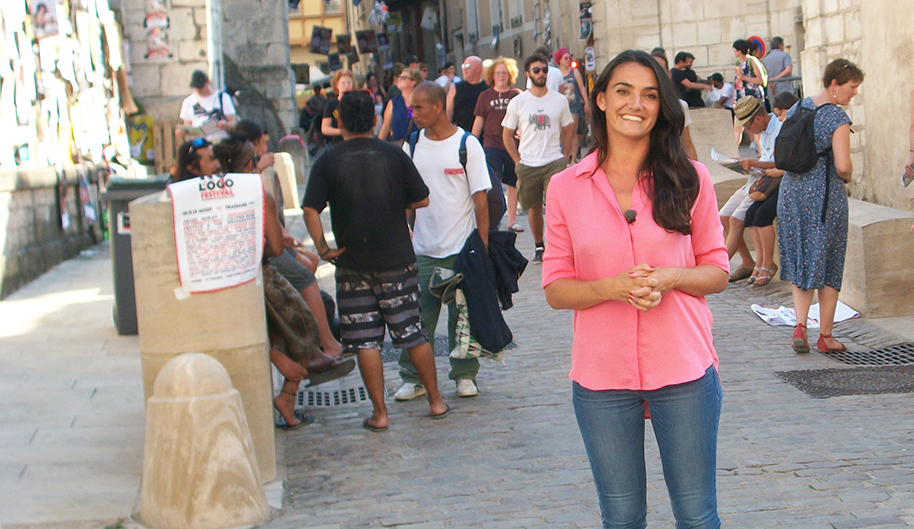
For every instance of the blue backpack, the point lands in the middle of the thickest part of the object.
(495, 196)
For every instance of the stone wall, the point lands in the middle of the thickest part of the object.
(255, 38)
(704, 28)
(886, 58)
(31, 235)
(161, 83)
(881, 42)
(206, 35)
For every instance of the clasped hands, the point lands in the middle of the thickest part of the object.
(646, 285)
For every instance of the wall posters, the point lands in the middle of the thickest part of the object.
(586, 20)
(156, 23)
(320, 40)
(218, 230)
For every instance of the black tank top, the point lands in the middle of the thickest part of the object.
(465, 97)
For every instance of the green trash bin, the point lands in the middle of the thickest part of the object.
(120, 192)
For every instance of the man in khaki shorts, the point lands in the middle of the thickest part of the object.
(544, 121)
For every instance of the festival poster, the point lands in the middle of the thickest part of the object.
(320, 40)
(334, 62)
(344, 44)
(366, 41)
(218, 230)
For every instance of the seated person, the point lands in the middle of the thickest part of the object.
(297, 267)
(293, 331)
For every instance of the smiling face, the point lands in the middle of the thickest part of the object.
(565, 60)
(631, 101)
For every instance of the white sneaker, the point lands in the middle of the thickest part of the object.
(466, 388)
(409, 391)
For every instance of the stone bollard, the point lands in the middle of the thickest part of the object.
(199, 468)
(299, 153)
(285, 170)
(229, 325)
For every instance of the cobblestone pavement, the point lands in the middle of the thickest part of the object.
(71, 429)
(513, 458)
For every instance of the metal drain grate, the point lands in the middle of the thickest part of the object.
(896, 355)
(309, 398)
(824, 383)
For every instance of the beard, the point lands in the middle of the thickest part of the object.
(538, 82)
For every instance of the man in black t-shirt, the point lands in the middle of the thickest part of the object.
(462, 97)
(369, 184)
(686, 80)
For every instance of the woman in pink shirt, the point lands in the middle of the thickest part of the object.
(635, 244)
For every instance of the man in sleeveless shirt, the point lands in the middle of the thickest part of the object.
(461, 98)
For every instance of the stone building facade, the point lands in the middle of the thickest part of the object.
(243, 44)
(816, 32)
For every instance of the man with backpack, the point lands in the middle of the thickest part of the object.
(211, 111)
(457, 206)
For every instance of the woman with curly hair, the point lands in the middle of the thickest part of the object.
(490, 111)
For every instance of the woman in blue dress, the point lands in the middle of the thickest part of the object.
(812, 231)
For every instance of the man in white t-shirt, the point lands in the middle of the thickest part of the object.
(448, 76)
(457, 206)
(554, 79)
(207, 109)
(722, 95)
(544, 121)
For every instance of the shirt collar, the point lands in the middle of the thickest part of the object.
(586, 166)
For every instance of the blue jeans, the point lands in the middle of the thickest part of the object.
(685, 419)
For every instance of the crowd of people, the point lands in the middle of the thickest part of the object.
(629, 236)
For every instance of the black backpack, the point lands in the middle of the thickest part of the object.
(795, 147)
(495, 196)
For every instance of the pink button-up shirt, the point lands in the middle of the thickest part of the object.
(615, 345)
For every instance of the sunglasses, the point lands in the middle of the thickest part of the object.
(197, 143)
(405, 78)
(536, 69)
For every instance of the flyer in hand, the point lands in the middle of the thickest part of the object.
(731, 163)
(218, 230)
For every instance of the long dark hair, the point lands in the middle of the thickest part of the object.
(673, 181)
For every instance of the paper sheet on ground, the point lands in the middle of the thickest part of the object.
(218, 230)
(787, 317)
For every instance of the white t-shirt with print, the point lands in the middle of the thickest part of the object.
(198, 110)
(442, 228)
(539, 121)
